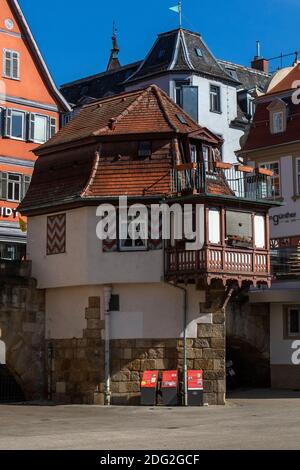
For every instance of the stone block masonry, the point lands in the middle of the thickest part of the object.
(22, 328)
(77, 366)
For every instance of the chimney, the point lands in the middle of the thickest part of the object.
(259, 63)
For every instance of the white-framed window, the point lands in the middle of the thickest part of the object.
(259, 231)
(298, 175)
(126, 242)
(11, 64)
(194, 156)
(293, 321)
(215, 99)
(214, 226)
(13, 186)
(277, 122)
(38, 128)
(275, 167)
(15, 124)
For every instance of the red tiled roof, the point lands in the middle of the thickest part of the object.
(82, 172)
(143, 111)
(260, 135)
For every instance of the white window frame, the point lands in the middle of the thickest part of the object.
(298, 176)
(32, 126)
(267, 166)
(214, 226)
(275, 129)
(290, 334)
(215, 94)
(11, 75)
(8, 131)
(14, 183)
(260, 238)
(134, 246)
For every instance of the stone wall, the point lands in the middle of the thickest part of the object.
(22, 327)
(248, 341)
(76, 371)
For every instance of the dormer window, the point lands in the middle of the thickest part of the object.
(145, 149)
(278, 122)
(278, 116)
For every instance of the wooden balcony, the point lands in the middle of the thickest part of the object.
(219, 263)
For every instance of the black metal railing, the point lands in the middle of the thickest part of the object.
(203, 178)
(285, 263)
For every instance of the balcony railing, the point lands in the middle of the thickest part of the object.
(212, 260)
(223, 178)
(285, 263)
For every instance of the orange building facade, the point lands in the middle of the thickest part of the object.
(30, 109)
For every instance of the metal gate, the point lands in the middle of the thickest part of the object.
(10, 391)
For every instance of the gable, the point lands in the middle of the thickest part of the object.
(15, 35)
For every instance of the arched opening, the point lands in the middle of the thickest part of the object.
(2, 353)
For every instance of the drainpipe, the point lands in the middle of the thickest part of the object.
(185, 368)
(107, 298)
(227, 299)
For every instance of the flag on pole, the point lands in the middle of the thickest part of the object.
(178, 9)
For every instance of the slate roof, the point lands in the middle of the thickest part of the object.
(100, 85)
(180, 50)
(248, 77)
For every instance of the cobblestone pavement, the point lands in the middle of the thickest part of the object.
(250, 420)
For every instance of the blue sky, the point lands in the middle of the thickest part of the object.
(75, 36)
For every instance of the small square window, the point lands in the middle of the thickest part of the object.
(145, 149)
(181, 119)
(199, 52)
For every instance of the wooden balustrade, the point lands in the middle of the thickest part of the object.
(215, 259)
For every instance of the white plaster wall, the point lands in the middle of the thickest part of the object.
(65, 310)
(281, 349)
(146, 311)
(84, 262)
(291, 226)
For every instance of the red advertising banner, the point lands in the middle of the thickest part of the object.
(150, 379)
(169, 379)
(195, 379)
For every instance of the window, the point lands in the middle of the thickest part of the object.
(11, 64)
(232, 73)
(259, 232)
(239, 232)
(194, 157)
(15, 124)
(38, 128)
(274, 166)
(214, 224)
(145, 149)
(21, 125)
(277, 122)
(127, 243)
(293, 322)
(13, 186)
(186, 96)
(215, 99)
(198, 52)
(291, 318)
(298, 175)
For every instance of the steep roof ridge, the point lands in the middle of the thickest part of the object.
(92, 175)
(217, 62)
(143, 62)
(17, 10)
(162, 107)
(185, 50)
(244, 67)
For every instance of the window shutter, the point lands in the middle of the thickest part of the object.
(2, 121)
(3, 185)
(8, 122)
(31, 124)
(52, 127)
(25, 185)
(7, 63)
(15, 65)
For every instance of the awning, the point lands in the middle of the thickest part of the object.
(11, 233)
